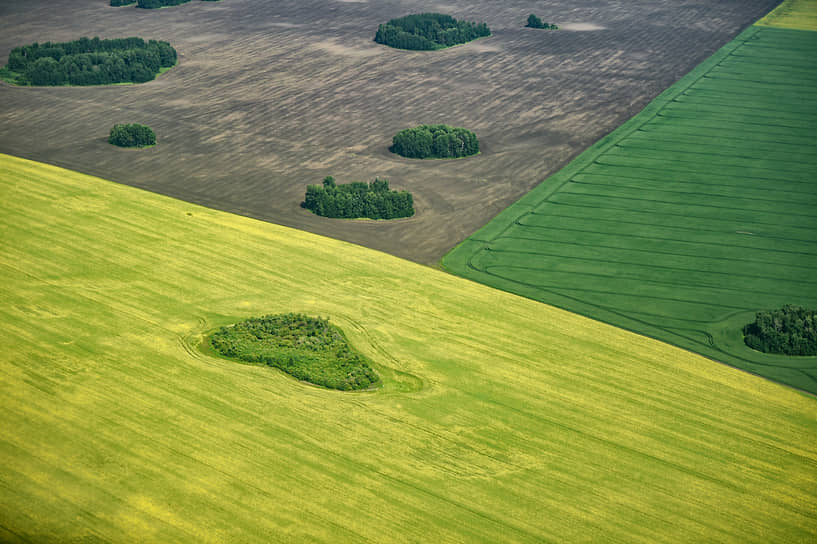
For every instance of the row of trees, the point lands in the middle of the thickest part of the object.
(791, 330)
(91, 61)
(435, 141)
(308, 348)
(358, 199)
(428, 31)
(132, 135)
(536, 22)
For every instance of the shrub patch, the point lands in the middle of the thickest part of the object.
(428, 31)
(89, 61)
(791, 330)
(308, 348)
(358, 199)
(133, 135)
(435, 142)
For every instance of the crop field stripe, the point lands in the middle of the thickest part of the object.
(593, 250)
(700, 209)
(655, 174)
(662, 197)
(500, 419)
(599, 181)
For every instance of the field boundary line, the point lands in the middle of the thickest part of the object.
(459, 259)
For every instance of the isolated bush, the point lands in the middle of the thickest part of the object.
(118, 3)
(89, 61)
(435, 142)
(307, 348)
(428, 31)
(357, 199)
(133, 135)
(791, 330)
(536, 22)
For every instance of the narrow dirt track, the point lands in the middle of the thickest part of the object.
(267, 99)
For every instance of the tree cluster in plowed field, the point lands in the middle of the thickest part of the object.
(268, 97)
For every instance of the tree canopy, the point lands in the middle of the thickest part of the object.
(90, 61)
(536, 22)
(435, 142)
(132, 135)
(308, 348)
(428, 31)
(358, 200)
(791, 330)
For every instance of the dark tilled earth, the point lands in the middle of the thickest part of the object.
(271, 96)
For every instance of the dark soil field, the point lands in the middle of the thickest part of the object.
(269, 97)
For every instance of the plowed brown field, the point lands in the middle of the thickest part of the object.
(269, 97)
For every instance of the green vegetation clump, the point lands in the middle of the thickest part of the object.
(428, 31)
(791, 330)
(358, 199)
(133, 135)
(536, 22)
(89, 61)
(435, 142)
(307, 348)
(118, 3)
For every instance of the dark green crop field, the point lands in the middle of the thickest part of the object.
(688, 219)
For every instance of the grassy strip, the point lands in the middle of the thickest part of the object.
(794, 14)
(500, 419)
(699, 209)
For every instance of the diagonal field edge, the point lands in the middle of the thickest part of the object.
(680, 100)
(541, 192)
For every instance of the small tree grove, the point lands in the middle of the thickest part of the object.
(791, 330)
(428, 31)
(91, 61)
(132, 135)
(358, 200)
(536, 22)
(435, 142)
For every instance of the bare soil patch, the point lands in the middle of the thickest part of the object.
(581, 27)
(278, 97)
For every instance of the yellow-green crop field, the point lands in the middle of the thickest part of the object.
(501, 419)
(794, 14)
